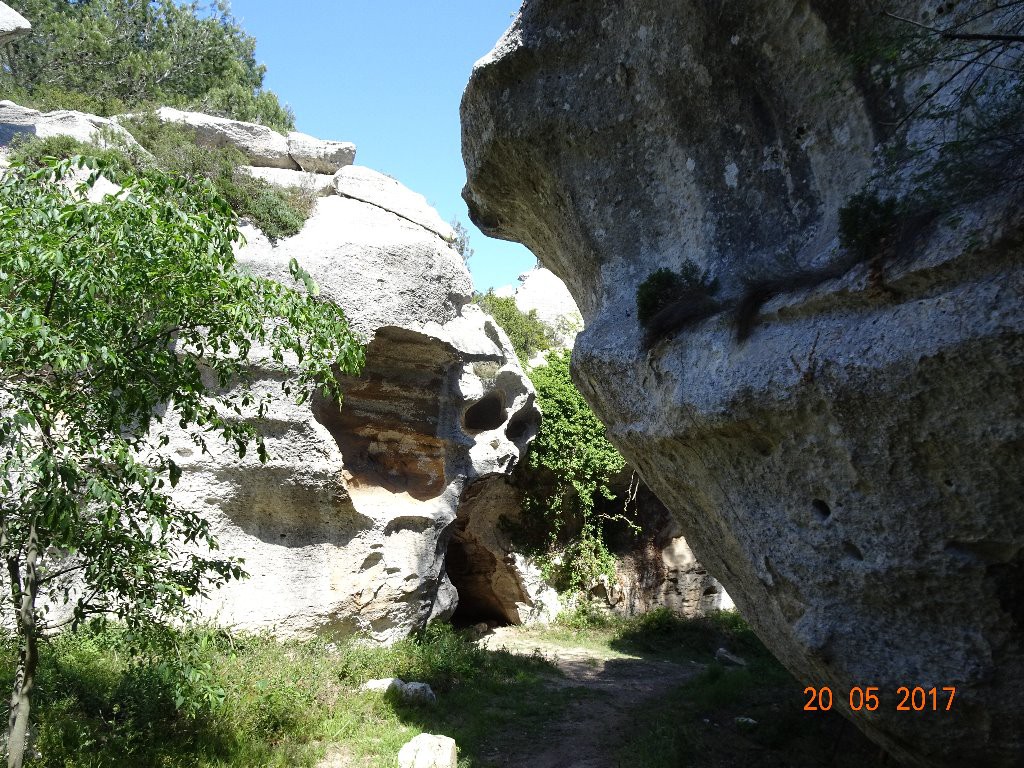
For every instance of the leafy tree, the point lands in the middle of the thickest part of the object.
(461, 243)
(116, 318)
(527, 334)
(572, 466)
(109, 56)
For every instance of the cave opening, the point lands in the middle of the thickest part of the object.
(471, 569)
(485, 414)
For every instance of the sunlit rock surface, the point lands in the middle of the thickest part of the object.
(851, 471)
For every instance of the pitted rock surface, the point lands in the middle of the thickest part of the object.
(851, 472)
(347, 527)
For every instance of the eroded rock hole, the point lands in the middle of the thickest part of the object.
(519, 427)
(471, 570)
(485, 414)
(823, 510)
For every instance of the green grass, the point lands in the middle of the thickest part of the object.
(262, 702)
(658, 634)
(257, 701)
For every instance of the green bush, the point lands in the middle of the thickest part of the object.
(33, 152)
(111, 56)
(172, 148)
(663, 286)
(570, 466)
(527, 334)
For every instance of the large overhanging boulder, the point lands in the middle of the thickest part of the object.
(852, 470)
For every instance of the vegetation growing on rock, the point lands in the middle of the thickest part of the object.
(109, 312)
(111, 56)
(570, 465)
(278, 212)
(527, 333)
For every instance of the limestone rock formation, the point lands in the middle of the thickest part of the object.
(318, 156)
(16, 120)
(347, 527)
(262, 146)
(12, 25)
(366, 184)
(541, 291)
(851, 471)
(322, 183)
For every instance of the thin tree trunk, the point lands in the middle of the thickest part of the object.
(24, 680)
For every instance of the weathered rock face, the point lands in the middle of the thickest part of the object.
(347, 527)
(17, 120)
(541, 291)
(851, 472)
(656, 567)
(12, 25)
(264, 147)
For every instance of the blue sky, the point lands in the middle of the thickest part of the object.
(389, 75)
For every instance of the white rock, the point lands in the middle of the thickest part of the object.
(321, 183)
(361, 183)
(12, 25)
(420, 692)
(383, 684)
(429, 751)
(346, 528)
(17, 120)
(542, 291)
(318, 155)
(261, 146)
(722, 656)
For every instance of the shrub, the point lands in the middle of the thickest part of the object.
(110, 56)
(33, 152)
(277, 212)
(867, 222)
(663, 286)
(527, 334)
(570, 466)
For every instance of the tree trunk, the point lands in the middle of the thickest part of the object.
(24, 680)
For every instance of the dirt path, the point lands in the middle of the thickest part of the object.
(608, 686)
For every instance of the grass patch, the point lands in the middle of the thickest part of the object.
(658, 634)
(271, 703)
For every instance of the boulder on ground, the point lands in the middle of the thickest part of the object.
(429, 751)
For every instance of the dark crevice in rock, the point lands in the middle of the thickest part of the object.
(485, 414)
(471, 568)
